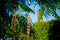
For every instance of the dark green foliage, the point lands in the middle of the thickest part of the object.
(4, 18)
(21, 29)
(54, 33)
(11, 5)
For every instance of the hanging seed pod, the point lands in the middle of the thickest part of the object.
(14, 21)
(28, 25)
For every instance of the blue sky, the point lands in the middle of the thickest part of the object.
(34, 16)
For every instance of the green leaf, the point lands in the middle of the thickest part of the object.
(57, 6)
(26, 8)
